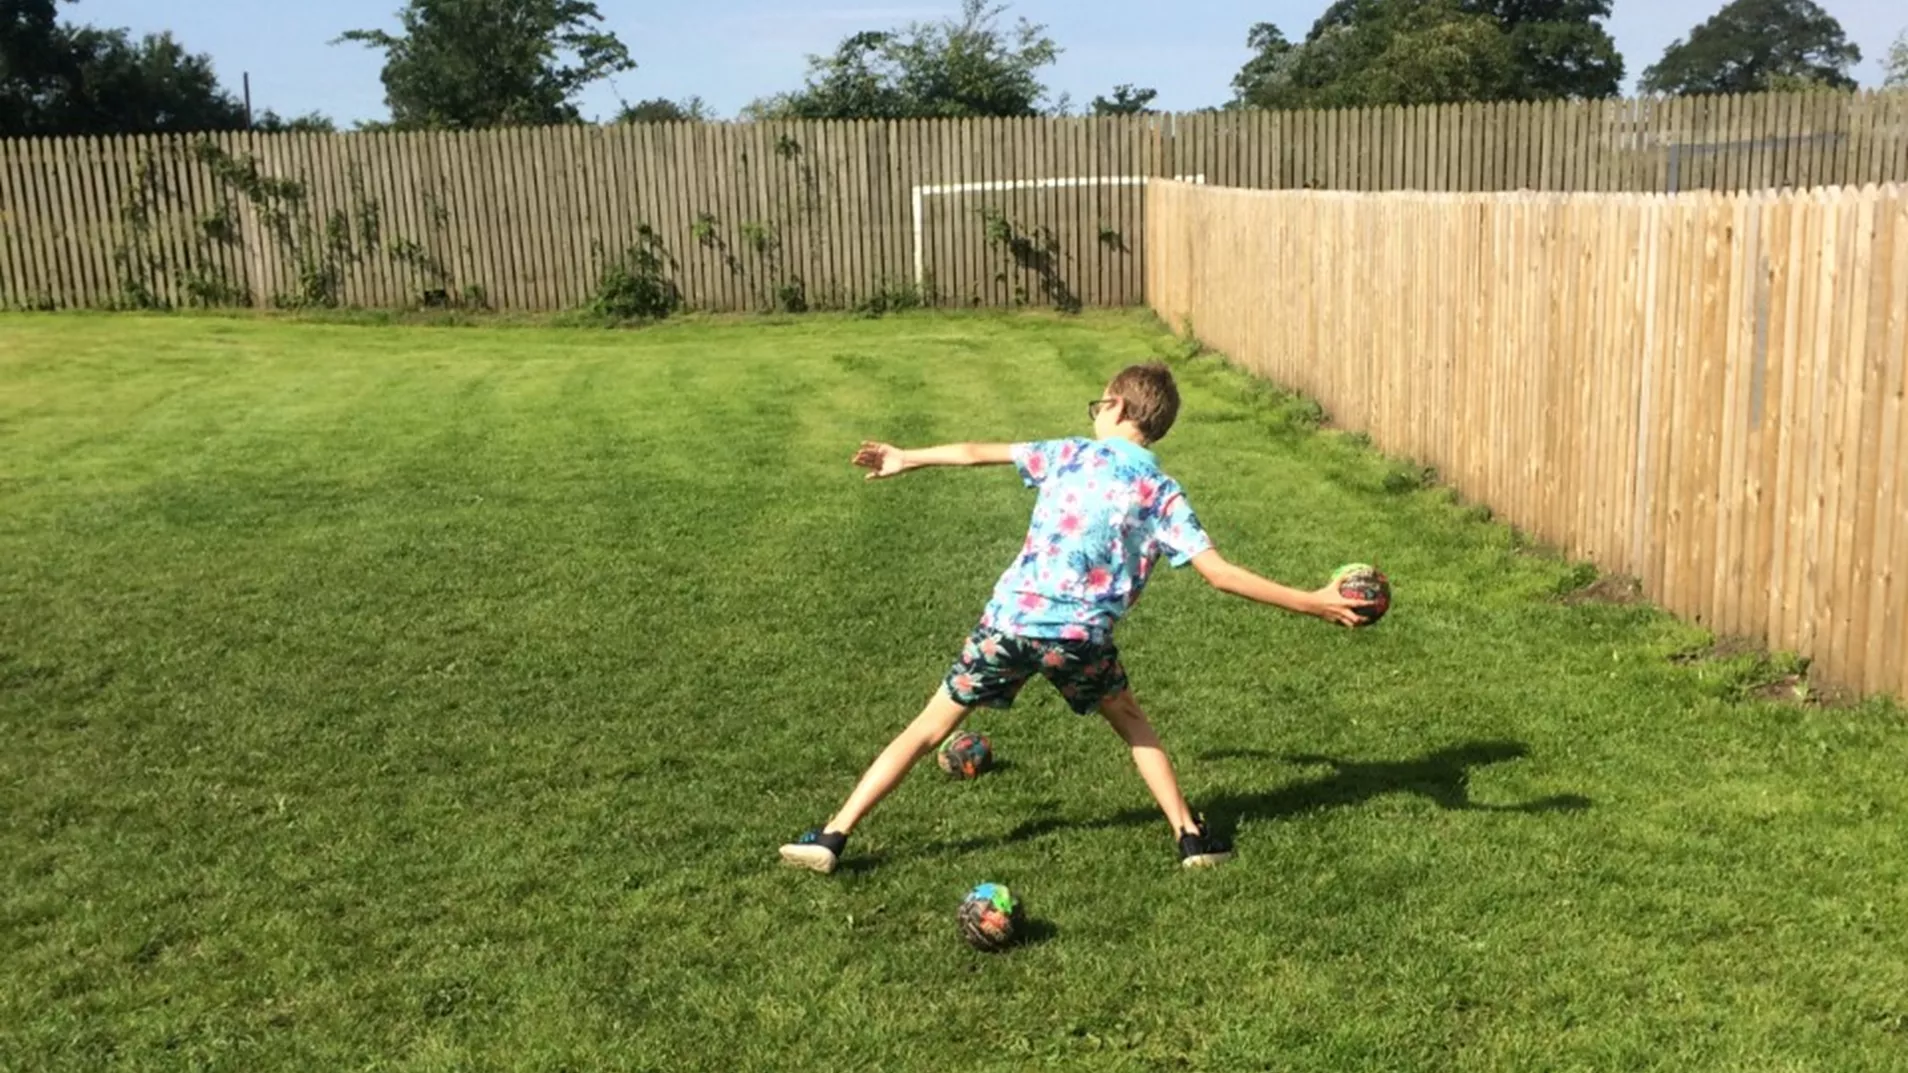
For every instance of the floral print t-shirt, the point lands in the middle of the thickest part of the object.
(1104, 516)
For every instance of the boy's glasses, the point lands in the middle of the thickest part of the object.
(1094, 408)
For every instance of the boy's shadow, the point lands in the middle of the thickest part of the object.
(1442, 776)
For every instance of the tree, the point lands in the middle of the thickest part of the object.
(1559, 48)
(271, 122)
(33, 54)
(61, 79)
(1896, 70)
(1259, 83)
(1751, 46)
(846, 85)
(1435, 54)
(1374, 52)
(963, 66)
(664, 110)
(472, 64)
(1126, 100)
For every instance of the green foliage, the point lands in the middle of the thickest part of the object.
(639, 283)
(1126, 100)
(761, 238)
(1436, 53)
(273, 196)
(136, 257)
(1795, 83)
(1037, 252)
(1378, 52)
(270, 122)
(58, 79)
(1753, 46)
(792, 296)
(1402, 477)
(221, 225)
(1383, 52)
(409, 252)
(1266, 79)
(322, 247)
(962, 66)
(210, 288)
(763, 269)
(1559, 48)
(664, 110)
(474, 64)
(1895, 70)
(163, 240)
(897, 297)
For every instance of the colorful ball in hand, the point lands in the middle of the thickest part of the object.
(988, 917)
(1362, 581)
(966, 755)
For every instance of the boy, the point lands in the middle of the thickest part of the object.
(1105, 513)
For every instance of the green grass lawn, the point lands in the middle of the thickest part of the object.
(435, 699)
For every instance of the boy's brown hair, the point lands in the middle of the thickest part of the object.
(1151, 398)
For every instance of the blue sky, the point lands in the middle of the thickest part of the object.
(730, 52)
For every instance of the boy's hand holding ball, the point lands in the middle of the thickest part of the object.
(1359, 594)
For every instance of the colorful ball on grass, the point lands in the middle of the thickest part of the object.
(966, 755)
(988, 917)
(1362, 581)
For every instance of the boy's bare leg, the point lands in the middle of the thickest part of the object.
(1122, 712)
(819, 849)
(921, 737)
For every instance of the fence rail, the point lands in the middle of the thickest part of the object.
(984, 212)
(1701, 390)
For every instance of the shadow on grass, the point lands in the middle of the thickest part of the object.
(861, 863)
(1442, 777)
(1034, 931)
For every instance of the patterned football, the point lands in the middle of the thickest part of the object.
(966, 755)
(988, 916)
(1362, 581)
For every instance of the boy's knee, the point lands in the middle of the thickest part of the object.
(1123, 714)
(1121, 705)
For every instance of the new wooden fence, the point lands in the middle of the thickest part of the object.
(1703, 390)
(990, 212)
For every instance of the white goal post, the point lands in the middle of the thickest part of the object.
(922, 193)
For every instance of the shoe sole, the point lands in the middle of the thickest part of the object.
(1205, 860)
(813, 858)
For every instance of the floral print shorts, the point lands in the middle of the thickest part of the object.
(993, 667)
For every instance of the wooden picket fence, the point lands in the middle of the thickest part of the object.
(968, 212)
(1703, 391)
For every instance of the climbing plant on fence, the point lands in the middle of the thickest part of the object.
(215, 234)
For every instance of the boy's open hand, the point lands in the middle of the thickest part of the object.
(880, 460)
(1334, 606)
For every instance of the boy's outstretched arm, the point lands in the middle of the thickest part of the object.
(886, 460)
(1326, 603)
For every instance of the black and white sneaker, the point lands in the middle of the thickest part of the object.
(816, 850)
(1198, 849)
